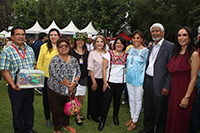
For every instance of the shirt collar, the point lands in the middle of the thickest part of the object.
(25, 45)
(159, 43)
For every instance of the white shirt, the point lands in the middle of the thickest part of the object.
(90, 47)
(152, 57)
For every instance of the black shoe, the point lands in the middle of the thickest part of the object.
(115, 119)
(101, 125)
(82, 118)
(79, 122)
(142, 131)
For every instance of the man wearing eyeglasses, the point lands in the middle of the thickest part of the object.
(19, 56)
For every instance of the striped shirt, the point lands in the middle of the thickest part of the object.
(11, 60)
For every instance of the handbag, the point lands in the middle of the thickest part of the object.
(73, 106)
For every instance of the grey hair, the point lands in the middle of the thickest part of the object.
(157, 25)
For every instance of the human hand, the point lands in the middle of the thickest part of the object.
(165, 92)
(94, 86)
(105, 85)
(16, 87)
(184, 102)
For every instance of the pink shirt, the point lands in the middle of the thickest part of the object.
(95, 63)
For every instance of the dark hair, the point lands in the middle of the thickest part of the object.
(49, 45)
(190, 48)
(42, 35)
(62, 40)
(84, 46)
(9, 38)
(137, 32)
(17, 27)
(123, 41)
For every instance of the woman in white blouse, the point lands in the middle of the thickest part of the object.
(95, 88)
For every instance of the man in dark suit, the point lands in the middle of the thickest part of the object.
(157, 81)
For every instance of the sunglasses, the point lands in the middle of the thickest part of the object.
(63, 46)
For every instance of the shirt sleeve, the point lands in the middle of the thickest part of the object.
(5, 60)
(41, 57)
(90, 62)
(106, 56)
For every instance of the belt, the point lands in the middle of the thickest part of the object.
(151, 77)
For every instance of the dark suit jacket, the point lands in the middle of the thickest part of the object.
(162, 77)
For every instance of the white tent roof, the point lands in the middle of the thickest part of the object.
(53, 25)
(70, 29)
(8, 34)
(35, 29)
(89, 29)
(4, 32)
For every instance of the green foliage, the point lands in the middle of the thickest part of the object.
(107, 15)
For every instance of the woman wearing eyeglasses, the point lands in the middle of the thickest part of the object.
(47, 52)
(79, 51)
(64, 73)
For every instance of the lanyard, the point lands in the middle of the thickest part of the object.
(19, 52)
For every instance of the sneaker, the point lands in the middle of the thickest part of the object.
(39, 90)
(48, 123)
(70, 129)
(124, 102)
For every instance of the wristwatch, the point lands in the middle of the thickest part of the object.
(187, 96)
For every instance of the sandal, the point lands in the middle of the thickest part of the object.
(79, 122)
(128, 123)
(82, 117)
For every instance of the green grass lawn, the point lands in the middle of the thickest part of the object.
(89, 126)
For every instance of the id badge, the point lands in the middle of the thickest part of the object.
(80, 60)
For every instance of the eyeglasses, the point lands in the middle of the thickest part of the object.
(18, 34)
(63, 46)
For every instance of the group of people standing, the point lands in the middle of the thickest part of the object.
(165, 75)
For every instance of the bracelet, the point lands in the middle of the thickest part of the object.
(187, 96)
(76, 82)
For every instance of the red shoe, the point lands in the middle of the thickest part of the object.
(69, 128)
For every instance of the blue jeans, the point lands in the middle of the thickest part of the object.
(195, 114)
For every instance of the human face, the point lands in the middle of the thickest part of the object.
(99, 43)
(183, 37)
(108, 41)
(18, 37)
(137, 39)
(80, 43)
(6, 40)
(157, 34)
(119, 46)
(53, 36)
(63, 48)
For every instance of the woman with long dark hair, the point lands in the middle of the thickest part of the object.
(47, 52)
(183, 67)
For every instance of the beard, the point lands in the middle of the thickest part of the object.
(156, 37)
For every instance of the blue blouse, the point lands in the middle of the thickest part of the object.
(136, 63)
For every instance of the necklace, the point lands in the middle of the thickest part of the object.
(118, 53)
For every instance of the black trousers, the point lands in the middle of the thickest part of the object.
(155, 108)
(95, 99)
(22, 109)
(46, 100)
(115, 91)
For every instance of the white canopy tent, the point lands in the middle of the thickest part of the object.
(53, 25)
(89, 29)
(4, 32)
(70, 29)
(35, 29)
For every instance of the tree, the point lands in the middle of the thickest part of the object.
(6, 14)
